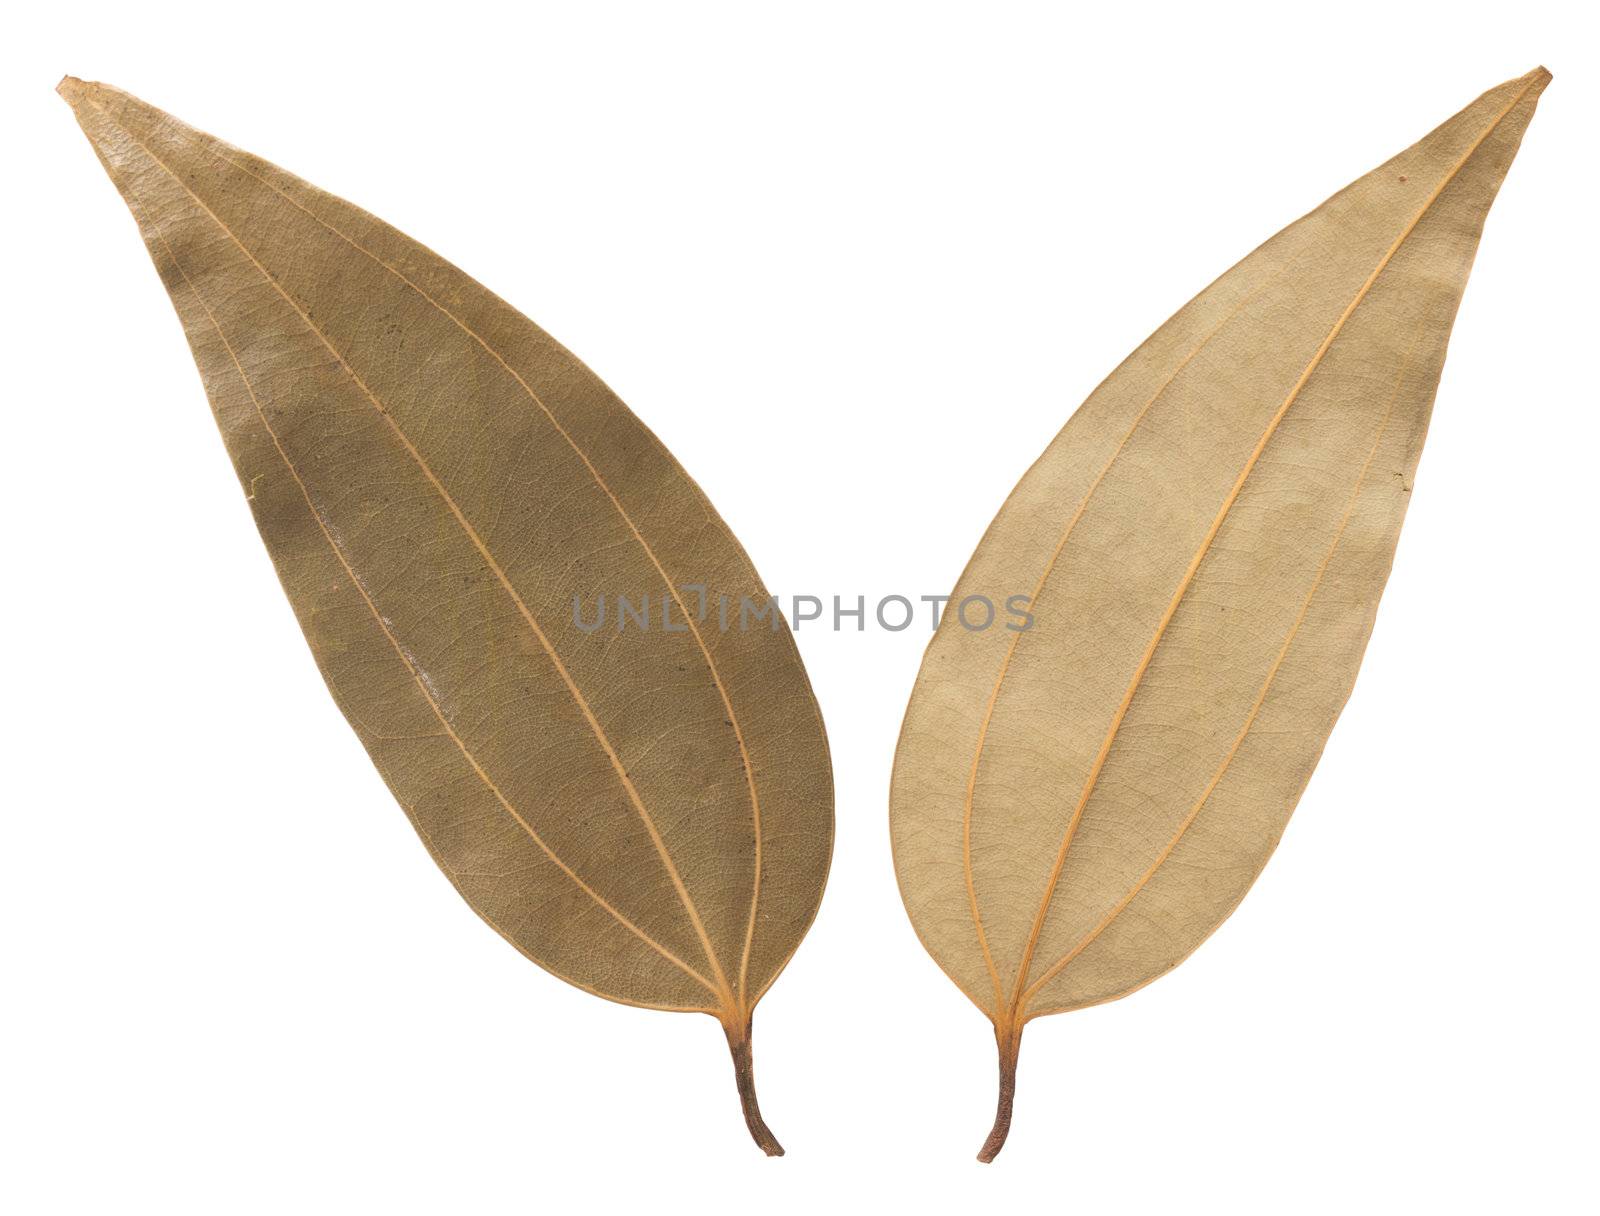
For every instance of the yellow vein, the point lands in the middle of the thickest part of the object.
(683, 612)
(378, 619)
(438, 860)
(1011, 649)
(490, 561)
(1261, 696)
(1216, 525)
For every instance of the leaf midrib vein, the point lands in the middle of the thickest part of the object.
(722, 987)
(1188, 578)
(1016, 638)
(600, 482)
(1261, 697)
(399, 649)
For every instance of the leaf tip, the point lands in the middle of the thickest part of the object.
(76, 92)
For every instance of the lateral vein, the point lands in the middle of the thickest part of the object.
(1216, 525)
(601, 738)
(1016, 638)
(1255, 709)
(600, 482)
(399, 649)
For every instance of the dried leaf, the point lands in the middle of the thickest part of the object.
(1078, 805)
(647, 814)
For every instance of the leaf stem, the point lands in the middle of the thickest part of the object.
(744, 1076)
(1009, 1040)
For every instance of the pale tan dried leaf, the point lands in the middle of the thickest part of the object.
(1077, 806)
(648, 815)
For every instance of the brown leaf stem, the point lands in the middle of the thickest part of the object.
(745, 1077)
(1009, 1040)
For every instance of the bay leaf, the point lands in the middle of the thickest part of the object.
(1077, 805)
(647, 814)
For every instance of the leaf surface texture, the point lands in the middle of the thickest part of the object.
(647, 814)
(1076, 806)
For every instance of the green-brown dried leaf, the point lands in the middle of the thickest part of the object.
(648, 816)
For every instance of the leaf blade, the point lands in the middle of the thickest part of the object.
(431, 513)
(1092, 775)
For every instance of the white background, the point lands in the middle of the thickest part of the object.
(855, 264)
